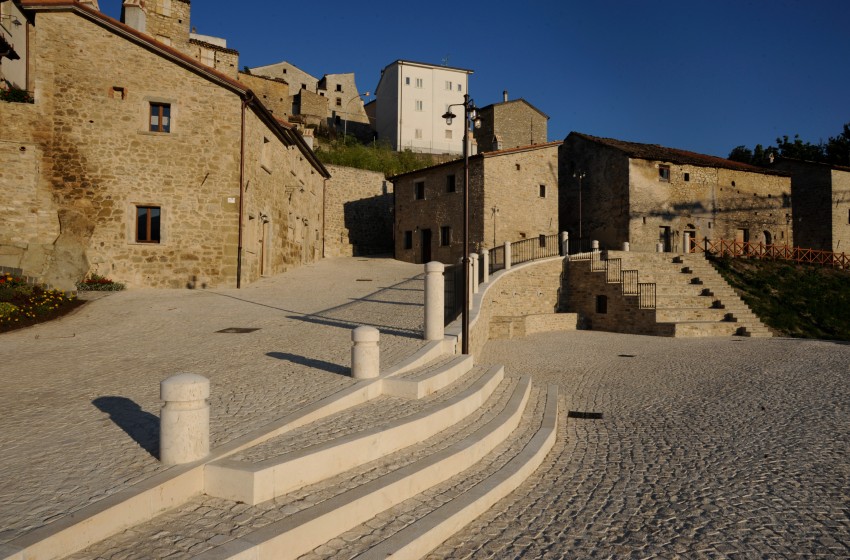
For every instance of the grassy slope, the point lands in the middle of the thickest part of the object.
(803, 301)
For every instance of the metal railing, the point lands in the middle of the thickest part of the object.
(613, 271)
(534, 248)
(646, 295)
(497, 259)
(452, 292)
(630, 282)
(746, 249)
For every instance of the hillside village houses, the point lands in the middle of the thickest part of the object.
(411, 99)
(187, 179)
(644, 194)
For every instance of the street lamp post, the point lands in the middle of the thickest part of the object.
(345, 125)
(579, 175)
(470, 116)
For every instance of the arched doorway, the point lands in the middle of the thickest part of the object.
(768, 239)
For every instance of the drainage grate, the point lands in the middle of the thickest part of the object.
(627, 355)
(365, 280)
(584, 415)
(236, 330)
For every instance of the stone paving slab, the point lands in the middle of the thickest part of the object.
(80, 396)
(724, 448)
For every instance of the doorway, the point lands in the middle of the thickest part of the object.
(664, 237)
(426, 246)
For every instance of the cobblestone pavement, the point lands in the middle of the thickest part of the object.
(80, 396)
(707, 448)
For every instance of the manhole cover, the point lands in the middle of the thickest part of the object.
(236, 330)
(584, 415)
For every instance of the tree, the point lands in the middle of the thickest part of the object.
(836, 151)
(742, 154)
(838, 148)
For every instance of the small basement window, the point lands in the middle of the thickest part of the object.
(602, 304)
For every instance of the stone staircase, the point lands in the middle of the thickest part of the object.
(682, 295)
(393, 465)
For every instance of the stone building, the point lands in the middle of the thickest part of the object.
(513, 196)
(13, 47)
(510, 124)
(615, 191)
(820, 198)
(412, 98)
(183, 180)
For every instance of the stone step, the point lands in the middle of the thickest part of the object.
(205, 522)
(678, 314)
(674, 301)
(304, 531)
(342, 442)
(693, 329)
(432, 377)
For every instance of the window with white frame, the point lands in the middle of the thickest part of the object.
(448, 85)
(417, 133)
(419, 105)
(419, 82)
(407, 81)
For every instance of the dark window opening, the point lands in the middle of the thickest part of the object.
(451, 184)
(445, 236)
(408, 239)
(542, 240)
(419, 190)
(542, 191)
(148, 224)
(687, 176)
(602, 304)
(339, 87)
(160, 117)
(664, 173)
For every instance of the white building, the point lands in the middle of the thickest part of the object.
(411, 100)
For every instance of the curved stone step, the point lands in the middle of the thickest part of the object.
(427, 533)
(256, 481)
(421, 382)
(305, 530)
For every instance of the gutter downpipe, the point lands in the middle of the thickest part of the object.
(241, 193)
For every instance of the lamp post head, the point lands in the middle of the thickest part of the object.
(449, 116)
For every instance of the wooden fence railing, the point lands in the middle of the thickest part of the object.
(746, 249)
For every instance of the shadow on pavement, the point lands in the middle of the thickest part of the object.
(310, 362)
(142, 426)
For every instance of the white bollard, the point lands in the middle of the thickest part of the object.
(594, 245)
(434, 300)
(365, 355)
(565, 243)
(625, 245)
(485, 264)
(474, 272)
(469, 287)
(659, 247)
(507, 255)
(184, 424)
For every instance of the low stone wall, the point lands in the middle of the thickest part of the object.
(525, 298)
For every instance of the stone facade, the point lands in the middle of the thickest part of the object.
(510, 124)
(273, 92)
(86, 165)
(614, 191)
(513, 195)
(820, 196)
(358, 213)
(215, 56)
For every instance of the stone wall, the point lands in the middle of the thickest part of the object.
(358, 213)
(840, 205)
(582, 287)
(296, 78)
(168, 21)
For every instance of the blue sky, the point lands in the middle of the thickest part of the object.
(698, 75)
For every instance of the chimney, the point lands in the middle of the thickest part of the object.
(133, 14)
(504, 96)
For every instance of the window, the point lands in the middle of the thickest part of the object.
(449, 86)
(419, 105)
(602, 304)
(303, 86)
(458, 87)
(417, 133)
(445, 236)
(407, 81)
(339, 102)
(118, 92)
(408, 239)
(687, 176)
(518, 167)
(160, 120)
(419, 82)
(451, 184)
(448, 134)
(147, 224)
(541, 239)
(339, 87)
(419, 190)
(664, 173)
(542, 191)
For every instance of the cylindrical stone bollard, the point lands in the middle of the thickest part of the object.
(184, 424)
(625, 245)
(474, 272)
(469, 287)
(485, 264)
(594, 245)
(507, 255)
(365, 355)
(659, 247)
(565, 243)
(434, 300)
